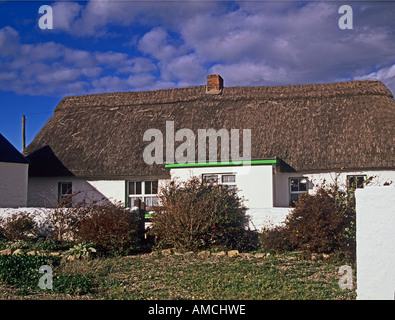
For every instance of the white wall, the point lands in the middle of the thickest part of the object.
(43, 191)
(254, 182)
(13, 184)
(376, 243)
(281, 181)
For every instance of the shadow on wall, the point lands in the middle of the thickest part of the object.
(48, 177)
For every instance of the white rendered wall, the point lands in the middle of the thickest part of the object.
(43, 191)
(13, 184)
(255, 183)
(376, 243)
(281, 181)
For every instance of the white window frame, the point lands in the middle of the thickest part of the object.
(299, 192)
(356, 176)
(150, 199)
(220, 176)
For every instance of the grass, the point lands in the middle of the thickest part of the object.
(153, 276)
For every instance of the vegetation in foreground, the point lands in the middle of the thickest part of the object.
(154, 276)
(96, 251)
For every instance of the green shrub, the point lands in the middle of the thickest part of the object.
(112, 229)
(22, 270)
(197, 214)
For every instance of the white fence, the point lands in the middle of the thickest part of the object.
(376, 243)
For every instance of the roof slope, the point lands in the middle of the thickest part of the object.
(311, 127)
(8, 153)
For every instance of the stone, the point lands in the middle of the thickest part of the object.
(5, 252)
(233, 253)
(219, 254)
(325, 256)
(260, 255)
(166, 252)
(17, 251)
(178, 253)
(203, 254)
(31, 253)
(55, 254)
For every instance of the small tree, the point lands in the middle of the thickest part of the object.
(197, 214)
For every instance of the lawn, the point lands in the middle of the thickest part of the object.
(155, 276)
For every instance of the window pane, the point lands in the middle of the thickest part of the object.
(360, 181)
(303, 184)
(138, 187)
(294, 184)
(293, 198)
(66, 188)
(154, 187)
(228, 178)
(213, 178)
(147, 189)
(131, 187)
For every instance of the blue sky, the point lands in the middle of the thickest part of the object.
(107, 46)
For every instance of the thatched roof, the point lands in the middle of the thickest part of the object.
(310, 127)
(8, 153)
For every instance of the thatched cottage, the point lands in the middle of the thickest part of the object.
(299, 135)
(13, 176)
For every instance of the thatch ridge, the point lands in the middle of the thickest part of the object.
(314, 127)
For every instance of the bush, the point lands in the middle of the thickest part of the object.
(316, 225)
(18, 226)
(322, 223)
(110, 228)
(197, 214)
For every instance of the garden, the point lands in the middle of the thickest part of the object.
(198, 247)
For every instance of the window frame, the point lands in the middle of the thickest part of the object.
(65, 198)
(143, 196)
(299, 192)
(356, 176)
(220, 181)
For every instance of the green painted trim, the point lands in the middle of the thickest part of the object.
(216, 164)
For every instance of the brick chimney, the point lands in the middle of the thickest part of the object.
(215, 84)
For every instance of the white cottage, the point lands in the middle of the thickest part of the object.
(299, 136)
(13, 176)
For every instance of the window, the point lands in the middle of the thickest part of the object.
(226, 179)
(65, 190)
(210, 178)
(356, 182)
(297, 186)
(146, 191)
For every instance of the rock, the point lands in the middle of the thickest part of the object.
(233, 253)
(260, 255)
(246, 255)
(203, 254)
(31, 253)
(178, 253)
(219, 254)
(54, 254)
(17, 251)
(5, 252)
(166, 252)
(325, 256)
(313, 256)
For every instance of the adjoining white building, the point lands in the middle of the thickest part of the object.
(13, 176)
(300, 136)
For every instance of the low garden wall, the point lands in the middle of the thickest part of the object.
(260, 217)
